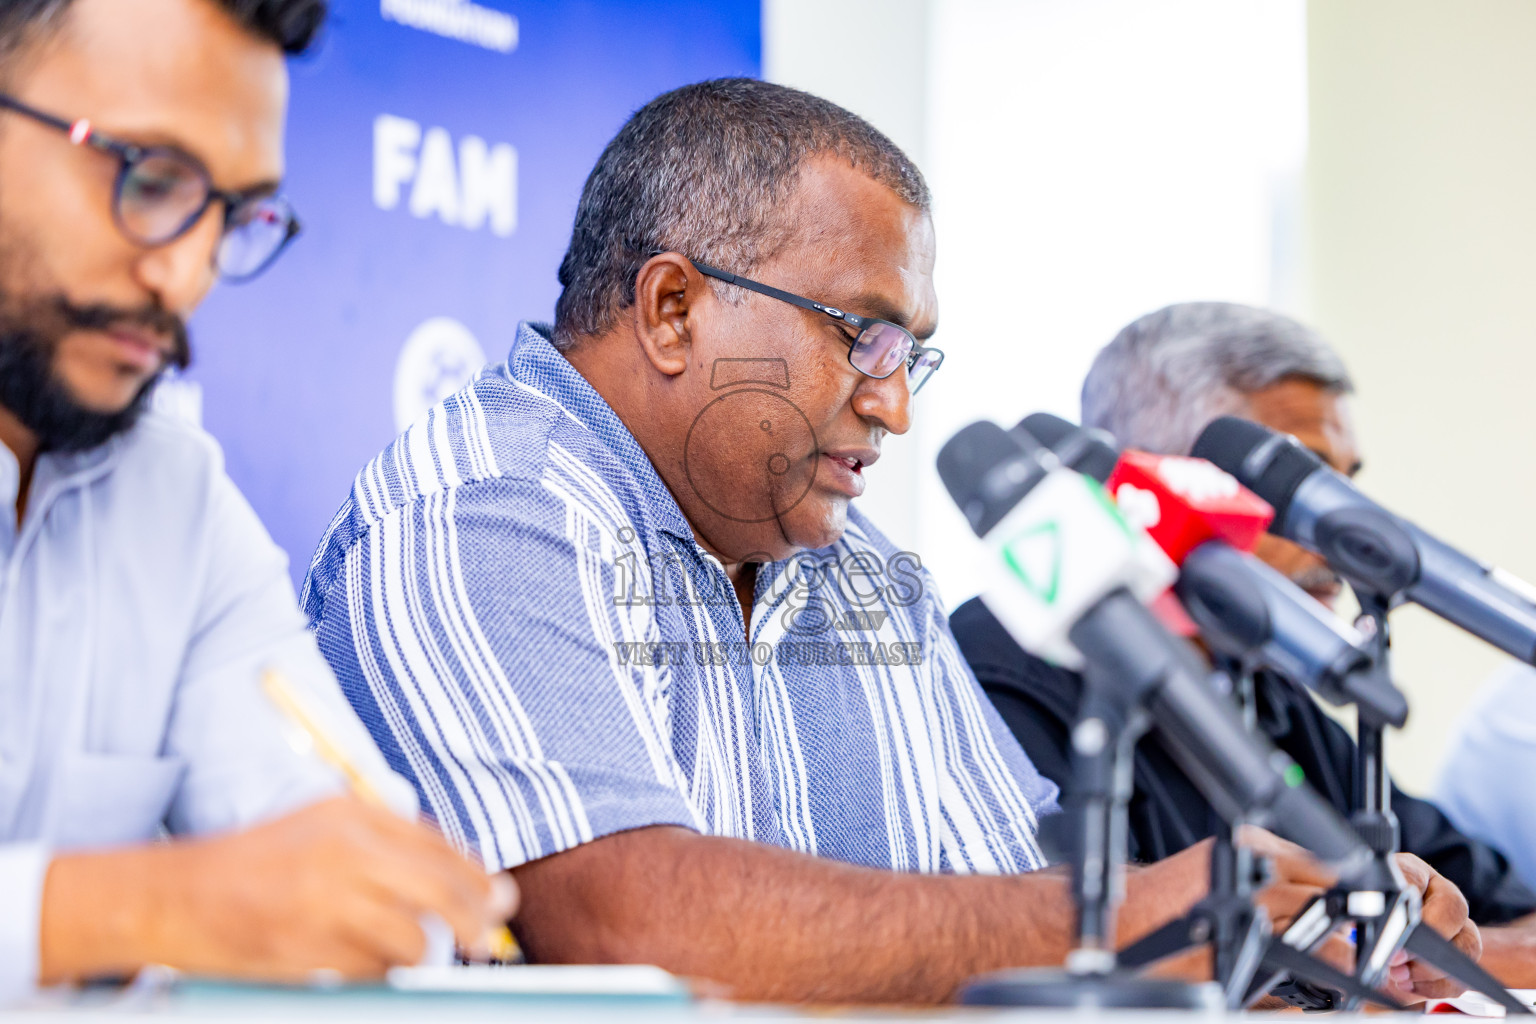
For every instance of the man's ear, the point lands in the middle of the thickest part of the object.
(666, 290)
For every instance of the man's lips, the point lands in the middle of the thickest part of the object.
(143, 350)
(846, 468)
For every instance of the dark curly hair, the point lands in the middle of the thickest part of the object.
(289, 24)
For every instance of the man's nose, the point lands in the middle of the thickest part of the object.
(181, 272)
(887, 402)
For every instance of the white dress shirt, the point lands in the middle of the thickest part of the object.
(141, 599)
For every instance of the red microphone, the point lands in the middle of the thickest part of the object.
(1185, 504)
(1182, 503)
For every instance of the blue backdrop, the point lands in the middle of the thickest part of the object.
(436, 150)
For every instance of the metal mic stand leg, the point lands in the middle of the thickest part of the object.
(1386, 915)
(1237, 930)
(1103, 744)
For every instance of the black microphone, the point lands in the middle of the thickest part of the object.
(1009, 492)
(1375, 550)
(1088, 450)
(1244, 608)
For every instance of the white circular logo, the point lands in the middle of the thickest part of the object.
(439, 358)
(1139, 507)
(1197, 479)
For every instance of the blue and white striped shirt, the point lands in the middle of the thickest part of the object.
(518, 610)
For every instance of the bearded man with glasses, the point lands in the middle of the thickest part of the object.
(140, 159)
(611, 607)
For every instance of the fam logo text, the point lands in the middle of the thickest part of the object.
(470, 185)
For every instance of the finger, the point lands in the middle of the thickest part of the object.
(315, 959)
(1421, 971)
(1307, 871)
(386, 931)
(1266, 844)
(1470, 940)
(1444, 988)
(1284, 901)
(439, 881)
(1415, 871)
(425, 892)
(416, 840)
(348, 963)
(1404, 994)
(1290, 861)
(1445, 909)
(505, 896)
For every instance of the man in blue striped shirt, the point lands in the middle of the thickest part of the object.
(609, 607)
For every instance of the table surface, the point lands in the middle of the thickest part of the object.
(165, 996)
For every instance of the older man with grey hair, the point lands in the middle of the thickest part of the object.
(1155, 387)
(1170, 373)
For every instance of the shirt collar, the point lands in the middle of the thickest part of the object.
(535, 361)
(55, 473)
(58, 472)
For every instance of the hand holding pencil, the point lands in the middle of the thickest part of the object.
(316, 729)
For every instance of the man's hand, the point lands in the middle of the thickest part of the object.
(1297, 877)
(1160, 892)
(1155, 894)
(338, 886)
(1445, 910)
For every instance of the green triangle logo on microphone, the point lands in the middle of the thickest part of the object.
(1034, 555)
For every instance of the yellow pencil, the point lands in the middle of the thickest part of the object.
(503, 947)
(281, 691)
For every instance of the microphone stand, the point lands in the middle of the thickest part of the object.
(1237, 929)
(1387, 914)
(1110, 721)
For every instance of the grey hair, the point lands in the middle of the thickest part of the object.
(1166, 376)
(705, 171)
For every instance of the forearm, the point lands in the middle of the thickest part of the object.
(1509, 952)
(781, 926)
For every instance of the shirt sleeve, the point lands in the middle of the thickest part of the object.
(478, 633)
(1484, 783)
(23, 867)
(240, 766)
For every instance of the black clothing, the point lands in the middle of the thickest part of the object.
(1039, 703)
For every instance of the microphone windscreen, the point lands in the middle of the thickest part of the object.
(1270, 464)
(1090, 452)
(986, 472)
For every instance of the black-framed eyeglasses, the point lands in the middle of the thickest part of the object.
(160, 193)
(879, 349)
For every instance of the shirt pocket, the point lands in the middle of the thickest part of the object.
(112, 799)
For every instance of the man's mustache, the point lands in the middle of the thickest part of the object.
(100, 317)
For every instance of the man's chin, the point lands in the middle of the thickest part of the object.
(63, 421)
(106, 402)
(816, 522)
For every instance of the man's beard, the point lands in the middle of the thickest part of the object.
(31, 389)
